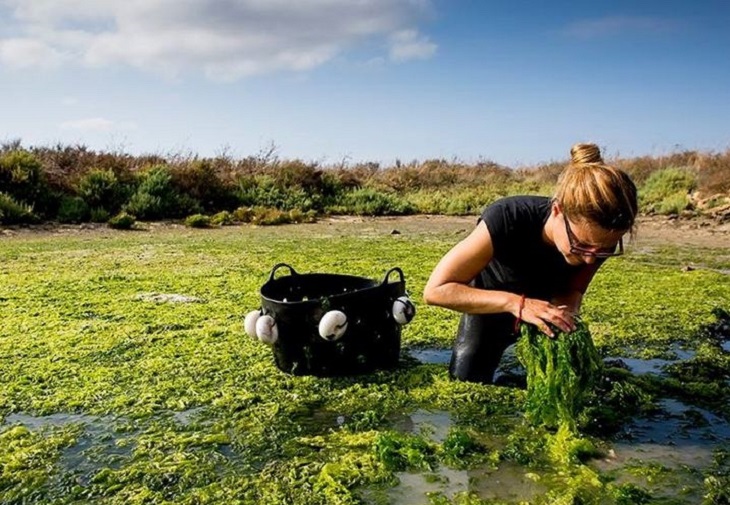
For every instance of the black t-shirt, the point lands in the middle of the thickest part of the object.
(523, 263)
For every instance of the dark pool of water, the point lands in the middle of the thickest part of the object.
(677, 425)
(431, 356)
(654, 365)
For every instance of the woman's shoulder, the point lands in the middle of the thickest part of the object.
(518, 207)
(515, 221)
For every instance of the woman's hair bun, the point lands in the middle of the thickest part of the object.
(585, 153)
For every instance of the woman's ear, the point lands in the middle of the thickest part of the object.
(555, 210)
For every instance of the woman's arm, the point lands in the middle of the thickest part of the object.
(449, 287)
(577, 287)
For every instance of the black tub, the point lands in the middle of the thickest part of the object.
(371, 341)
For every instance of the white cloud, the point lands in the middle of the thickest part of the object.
(27, 52)
(225, 39)
(96, 124)
(409, 45)
(612, 25)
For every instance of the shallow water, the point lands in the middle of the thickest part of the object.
(434, 425)
(680, 439)
(98, 446)
(189, 416)
(439, 356)
(52, 420)
(654, 365)
(431, 356)
(509, 366)
(680, 426)
(509, 482)
(646, 366)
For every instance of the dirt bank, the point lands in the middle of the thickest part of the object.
(652, 230)
(702, 232)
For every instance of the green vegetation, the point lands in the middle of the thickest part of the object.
(115, 391)
(197, 221)
(122, 221)
(561, 374)
(12, 212)
(74, 184)
(668, 191)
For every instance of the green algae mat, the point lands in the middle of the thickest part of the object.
(126, 377)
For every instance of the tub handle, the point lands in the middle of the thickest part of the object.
(394, 269)
(276, 267)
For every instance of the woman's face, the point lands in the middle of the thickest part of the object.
(583, 242)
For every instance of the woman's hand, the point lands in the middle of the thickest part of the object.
(543, 314)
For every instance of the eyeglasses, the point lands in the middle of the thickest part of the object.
(576, 248)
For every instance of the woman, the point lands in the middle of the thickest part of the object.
(531, 259)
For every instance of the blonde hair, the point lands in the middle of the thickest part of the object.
(590, 190)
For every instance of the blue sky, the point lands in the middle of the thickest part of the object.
(516, 82)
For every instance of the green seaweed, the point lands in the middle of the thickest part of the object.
(76, 337)
(561, 374)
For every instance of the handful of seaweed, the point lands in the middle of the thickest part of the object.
(561, 374)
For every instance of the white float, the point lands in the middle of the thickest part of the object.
(249, 323)
(403, 310)
(333, 325)
(266, 330)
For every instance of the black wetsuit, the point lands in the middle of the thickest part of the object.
(522, 263)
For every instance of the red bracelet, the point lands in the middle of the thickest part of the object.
(518, 319)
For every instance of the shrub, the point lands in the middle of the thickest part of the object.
(101, 189)
(456, 201)
(99, 215)
(73, 209)
(299, 216)
(222, 218)
(265, 191)
(243, 214)
(156, 198)
(21, 176)
(666, 188)
(268, 216)
(122, 221)
(199, 180)
(673, 204)
(12, 212)
(197, 221)
(370, 202)
(714, 173)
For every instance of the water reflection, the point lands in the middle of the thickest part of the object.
(97, 446)
(434, 425)
(431, 356)
(507, 483)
